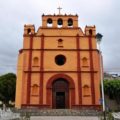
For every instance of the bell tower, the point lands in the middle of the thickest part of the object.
(59, 21)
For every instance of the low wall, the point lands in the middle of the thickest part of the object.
(111, 105)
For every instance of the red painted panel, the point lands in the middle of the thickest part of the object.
(92, 69)
(41, 69)
(29, 74)
(79, 69)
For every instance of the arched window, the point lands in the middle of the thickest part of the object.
(60, 23)
(84, 62)
(35, 61)
(29, 31)
(35, 89)
(86, 90)
(49, 22)
(70, 22)
(60, 43)
(90, 32)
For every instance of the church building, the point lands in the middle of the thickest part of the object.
(58, 66)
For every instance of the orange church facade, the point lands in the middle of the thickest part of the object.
(59, 65)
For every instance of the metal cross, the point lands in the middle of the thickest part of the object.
(59, 8)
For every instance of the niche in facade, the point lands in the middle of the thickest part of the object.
(86, 90)
(35, 61)
(60, 43)
(35, 89)
(84, 62)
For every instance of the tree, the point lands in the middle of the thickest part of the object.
(7, 87)
(112, 89)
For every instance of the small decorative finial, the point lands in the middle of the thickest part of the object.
(59, 8)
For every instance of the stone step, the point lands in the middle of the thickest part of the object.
(64, 118)
(58, 112)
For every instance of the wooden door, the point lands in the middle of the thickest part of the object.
(60, 94)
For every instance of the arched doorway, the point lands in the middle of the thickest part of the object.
(60, 94)
(71, 90)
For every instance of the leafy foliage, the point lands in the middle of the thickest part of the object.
(112, 89)
(7, 87)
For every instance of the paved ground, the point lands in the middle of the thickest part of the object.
(63, 118)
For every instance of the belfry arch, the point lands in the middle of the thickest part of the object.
(67, 91)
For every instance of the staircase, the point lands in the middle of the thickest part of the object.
(57, 112)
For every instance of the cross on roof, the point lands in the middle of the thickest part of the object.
(59, 8)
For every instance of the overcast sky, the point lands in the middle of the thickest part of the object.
(102, 13)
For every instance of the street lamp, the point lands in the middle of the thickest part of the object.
(99, 39)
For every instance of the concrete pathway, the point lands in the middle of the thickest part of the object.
(64, 118)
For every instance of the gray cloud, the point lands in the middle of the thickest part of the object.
(102, 13)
